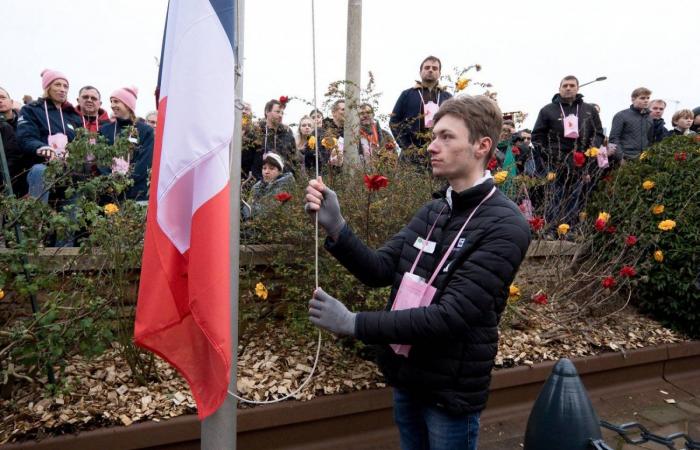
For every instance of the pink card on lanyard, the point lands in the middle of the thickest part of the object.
(413, 291)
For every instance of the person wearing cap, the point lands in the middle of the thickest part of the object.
(44, 128)
(274, 181)
(138, 162)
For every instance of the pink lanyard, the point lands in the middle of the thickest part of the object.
(48, 122)
(438, 97)
(454, 242)
(427, 238)
(563, 115)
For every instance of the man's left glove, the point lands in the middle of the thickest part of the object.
(328, 313)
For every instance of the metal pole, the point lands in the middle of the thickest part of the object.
(219, 429)
(352, 83)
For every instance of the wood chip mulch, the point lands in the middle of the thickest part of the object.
(101, 392)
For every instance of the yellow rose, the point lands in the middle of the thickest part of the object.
(563, 229)
(551, 176)
(667, 225)
(329, 142)
(111, 208)
(592, 152)
(261, 291)
(500, 177)
(2, 294)
(604, 216)
(648, 185)
(659, 256)
(644, 155)
(514, 291)
(312, 142)
(461, 84)
(657, 209)
(582, 216)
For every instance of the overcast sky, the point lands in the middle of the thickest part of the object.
(524, 47)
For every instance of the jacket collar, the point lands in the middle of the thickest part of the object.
(644, 112)
(577, 101)
(419, 85)
(468, 198)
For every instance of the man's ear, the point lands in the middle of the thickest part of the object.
(483, 147)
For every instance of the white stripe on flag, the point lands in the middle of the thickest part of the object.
(198, 81)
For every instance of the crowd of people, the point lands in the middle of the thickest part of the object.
(38, 132)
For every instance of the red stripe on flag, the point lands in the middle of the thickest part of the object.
(183, 308)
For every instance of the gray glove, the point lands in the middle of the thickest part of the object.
(329, 216)
(328, 313)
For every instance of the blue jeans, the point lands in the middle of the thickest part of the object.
(35, 180)
(423, 427)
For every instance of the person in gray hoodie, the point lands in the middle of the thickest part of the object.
(632, 129)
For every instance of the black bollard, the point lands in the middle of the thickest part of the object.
(563, 417)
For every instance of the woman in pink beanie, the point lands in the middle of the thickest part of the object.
(137, 162)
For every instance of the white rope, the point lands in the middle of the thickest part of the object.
(316, 282)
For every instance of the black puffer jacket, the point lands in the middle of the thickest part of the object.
(454, 340)
(548, 133)
(632, 131)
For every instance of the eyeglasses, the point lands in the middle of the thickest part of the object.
(89, 97)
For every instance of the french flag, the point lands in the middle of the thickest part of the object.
(183, 305)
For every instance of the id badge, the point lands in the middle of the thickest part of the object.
(571, 126)
(426, 246)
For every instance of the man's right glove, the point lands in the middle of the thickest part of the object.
(321, 200)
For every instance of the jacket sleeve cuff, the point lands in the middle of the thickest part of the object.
(337, 246)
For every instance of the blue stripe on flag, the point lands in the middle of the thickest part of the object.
(225, 10)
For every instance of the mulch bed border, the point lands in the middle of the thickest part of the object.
(363, 418)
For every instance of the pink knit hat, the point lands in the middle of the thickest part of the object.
(48, 76)
(127, 95)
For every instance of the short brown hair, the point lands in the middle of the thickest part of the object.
(569, 77)
(336, 104)
(269, 105)
(481, 116)
(640, 91)
(431, 58)
(657, 100)
(681, 114)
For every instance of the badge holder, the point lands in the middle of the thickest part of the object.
(413, 291)
(570, 124)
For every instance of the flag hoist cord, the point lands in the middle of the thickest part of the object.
(318, 346)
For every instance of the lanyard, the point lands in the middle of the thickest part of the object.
(48, 122)
(562, 111)
(275, 145)
(438, 97)
(427, 238)
(114, 139)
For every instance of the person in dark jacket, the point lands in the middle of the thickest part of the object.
(412, 117)
(140, 158)
(656, 112)
(275, 181)
(682, 121)
(478, 241)
(632, 128)
(334, 126)
(268, 135)
(44, 128)
(557, 153)
(18, 161)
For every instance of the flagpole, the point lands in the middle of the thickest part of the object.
(219, 429)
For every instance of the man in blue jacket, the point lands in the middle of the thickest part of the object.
(413, 114)
(44, 128)
(477, 242)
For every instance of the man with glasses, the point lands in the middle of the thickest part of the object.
(89, 108)
(152, 119)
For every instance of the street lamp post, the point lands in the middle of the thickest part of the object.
(597, 79)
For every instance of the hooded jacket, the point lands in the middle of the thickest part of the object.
(455, 339)
(548, 138)
(142, 157)
(632, 131)
(93, 123)
(407, 117)
(33, 130)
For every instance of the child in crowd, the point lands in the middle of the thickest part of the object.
(682, 121)
(274, 181)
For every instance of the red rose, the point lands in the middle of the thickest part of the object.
(284, 99)
(516, 151)
(680, 156)
(536, 223)
(390, 145)
(540, 299)
(631, 240)
(609, 282)
(611, 229)
(628, 271)
(579, 159)
(493, 163)
(376, 182)
(600, 224)
(283, 197)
